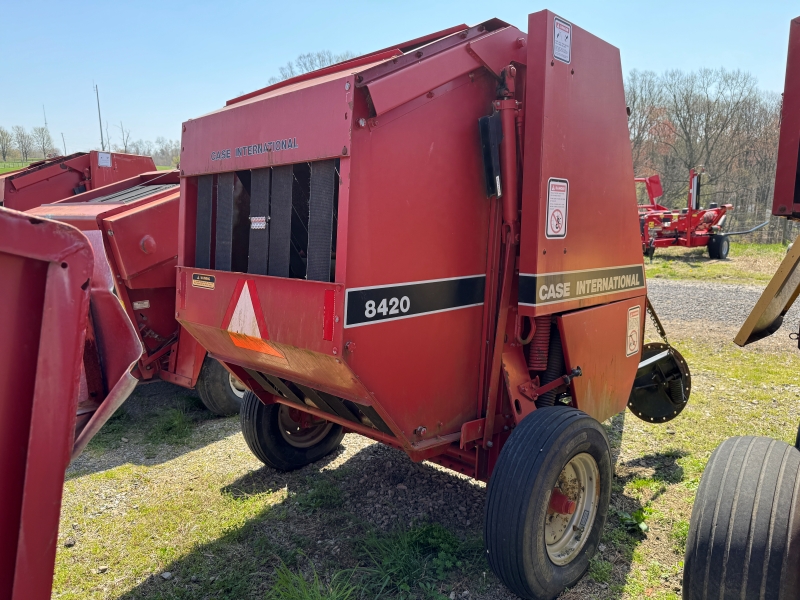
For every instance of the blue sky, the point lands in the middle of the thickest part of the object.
(160, 63)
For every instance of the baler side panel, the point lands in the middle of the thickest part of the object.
(123, 166)
(605, 344)
(576, 137)
(417, 213)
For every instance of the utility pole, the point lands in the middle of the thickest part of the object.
(65, 144)
(100, 120)
(45, 117)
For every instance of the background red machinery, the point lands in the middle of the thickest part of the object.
(56, 178)
(412, 245)
(133, 225)
(744, 536)
(690, 227)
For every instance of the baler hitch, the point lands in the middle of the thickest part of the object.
(531, 390)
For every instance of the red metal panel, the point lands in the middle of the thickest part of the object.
(123, 166)
(45, 268)
(576, 131)
(787, 198)
(306, 121)
(417, 79)
(144, 243)
(51, 181)
(596, 340)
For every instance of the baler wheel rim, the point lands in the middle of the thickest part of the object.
(237, 387)
(298, 436)
(567, 531)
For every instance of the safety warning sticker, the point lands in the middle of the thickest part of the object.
(244, 320)
(557, 199)
(634, 334)
(562, 40)
(104, 159)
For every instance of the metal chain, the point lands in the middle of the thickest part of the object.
(656, 323)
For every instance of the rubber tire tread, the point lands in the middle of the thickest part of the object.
(509, 498)
(744, 536)
(214, 388)
(260, 431)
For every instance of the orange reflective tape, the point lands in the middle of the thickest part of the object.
(251, 343)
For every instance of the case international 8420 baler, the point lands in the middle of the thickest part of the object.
(436, 245)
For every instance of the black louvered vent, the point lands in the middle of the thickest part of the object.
(278, 221)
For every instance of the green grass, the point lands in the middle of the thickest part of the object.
(164, 168)
(185, 495)
(746, 264)
(290, 585)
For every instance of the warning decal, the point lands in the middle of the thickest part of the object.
(562, 40)
(557, 199)
(244, 320)
(634, 333)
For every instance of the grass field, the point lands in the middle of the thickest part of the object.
(169, 503)
(746, 264)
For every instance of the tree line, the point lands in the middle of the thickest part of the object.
(21, 145)
(718, 120)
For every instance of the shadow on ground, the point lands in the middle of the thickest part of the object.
(328, 512)
(158, 422)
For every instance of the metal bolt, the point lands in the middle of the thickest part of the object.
(336, 319)
(346, 85)
(505, 428)
(421, 430)
(335, 351)
(489, 444)
(362, 122)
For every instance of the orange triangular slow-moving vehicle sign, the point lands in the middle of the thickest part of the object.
(244, 320)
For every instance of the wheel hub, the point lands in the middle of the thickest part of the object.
(299, 432)
(237, 387)
(578, 491)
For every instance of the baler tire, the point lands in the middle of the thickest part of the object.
(797, 438)
(215, 389)
(718, 247)
(519, 493)
(260, 428)
(744, 536)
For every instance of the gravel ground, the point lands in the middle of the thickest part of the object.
(689, 308)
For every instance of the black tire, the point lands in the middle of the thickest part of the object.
(744, 537)
(718, 247)
(215, 389)
(797, 439)
(519, 493)
(262, 432)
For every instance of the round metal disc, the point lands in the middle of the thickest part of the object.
(662, 385)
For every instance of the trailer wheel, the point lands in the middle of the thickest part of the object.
(279, 440)
(556, 461)
(220, 392)
(744, 537)
(718, 246)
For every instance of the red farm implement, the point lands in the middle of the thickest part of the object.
(690, 227)
(57, 178)
(60, 318)
(134, 225)
(413, 245)
(744, 536)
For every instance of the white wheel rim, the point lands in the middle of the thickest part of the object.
(237, 387)
(300, 437)
(565, 535)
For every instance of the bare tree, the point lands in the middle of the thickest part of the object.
(645, 99)
(125, 135)
(310, 61)
(23, 141)
(6, 142)
(42, 140)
